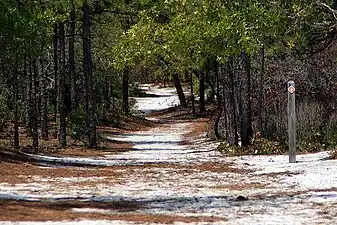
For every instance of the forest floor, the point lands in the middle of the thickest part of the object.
(166, 171)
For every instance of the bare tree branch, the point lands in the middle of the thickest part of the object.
(328, 9)
(101, 22)
(118, 12)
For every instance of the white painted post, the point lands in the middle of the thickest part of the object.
(291, 122)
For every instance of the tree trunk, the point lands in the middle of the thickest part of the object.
(106, 94)
(261, 93)
(126, 90)
(218, 70)
(16, 111)
(202, 107)
(87, 69)
(246, 120)
(44, 101)
(216, 120)
(192, 92)
(55, 55)
(71, 58)
(219, 108)
(61, 91)
(180, 91)
(230, 70)
(111, 95)
(34, 104)
(225, 110)
(28, 103)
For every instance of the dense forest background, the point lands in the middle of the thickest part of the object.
(67, 66)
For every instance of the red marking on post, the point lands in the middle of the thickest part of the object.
(291, 89)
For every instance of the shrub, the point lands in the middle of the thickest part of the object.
(261, 146)
(77, 122)
(333, 154)
(3, 109)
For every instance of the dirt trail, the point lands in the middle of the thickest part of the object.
(172, 175)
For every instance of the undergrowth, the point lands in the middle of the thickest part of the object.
(260, 146)
(333, 154)
(263, 146)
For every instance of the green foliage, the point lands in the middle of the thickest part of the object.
(6, 102)
(307, 146)
(196, 85)
(3, 108)
(331, 135)
(179, 35)
(263, 146)
(77, 121)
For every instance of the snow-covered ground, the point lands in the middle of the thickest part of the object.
(192, 180)
(166, 97)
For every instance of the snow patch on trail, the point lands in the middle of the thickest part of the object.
(163, 145)
(278, 192)
(166, 98)
(311, 171)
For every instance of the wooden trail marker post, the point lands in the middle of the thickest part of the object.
(291, 122)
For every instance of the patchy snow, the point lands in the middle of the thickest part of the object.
(312, 171)
(166, 97)
(278, 192)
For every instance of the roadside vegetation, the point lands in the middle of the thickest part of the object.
(69, 67)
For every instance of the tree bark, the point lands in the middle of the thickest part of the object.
(126, 90)
(216, 120)
(55, 56)
(180, 92)
(44, 102)
(225, 111)
(87, 69)
(111, 94)
(219, 108)
(192, 92)
(28, 103)
(234, 117)
(106, 94)
(62, 106)
(261, 93)
(71, 58)
(202, 107)
(16, 111)
(246, 120)
(34, 104)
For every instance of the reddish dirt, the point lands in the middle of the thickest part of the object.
(19, 173)
(56, 211)
(15, 173)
